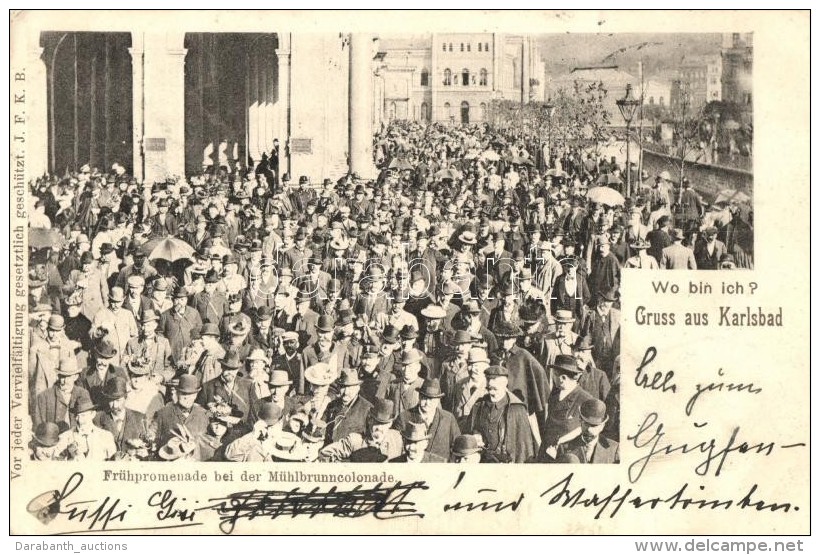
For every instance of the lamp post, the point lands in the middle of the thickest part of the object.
(549, 110)
(627, 106)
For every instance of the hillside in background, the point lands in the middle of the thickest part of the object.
(661, 56)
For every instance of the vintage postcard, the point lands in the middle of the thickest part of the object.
(264, 262)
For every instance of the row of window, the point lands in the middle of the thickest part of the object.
(482, 47)
(466, 80)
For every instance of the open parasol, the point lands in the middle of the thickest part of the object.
(605, 195)
(40, 238)
(168, 248)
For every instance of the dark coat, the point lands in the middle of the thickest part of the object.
(428, 458)
(606, 451)
(341, 422)
(133, 427)
(239, 397)
(443, 430)
(92, 383)
(50, 407)
(527, 378)
(170, 415)
(178, 329)
(518, 441)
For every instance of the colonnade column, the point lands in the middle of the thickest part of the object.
(360, 107)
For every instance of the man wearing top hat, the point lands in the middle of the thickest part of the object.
(84, 440)
(52, 404)
(416, 441)
(184, 410)
(164, 223)
(228, 387)
(500, 418)
(347, 413)
(152, 348)
(590, 447)
(677, 256)
(563, 420)
(118, 324)
(378, 435)
(180, 324)
(440, 425)
(123, 423)
(606, 270)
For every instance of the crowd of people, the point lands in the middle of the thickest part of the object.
(461, 307)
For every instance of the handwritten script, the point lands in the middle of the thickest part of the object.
(382, 502)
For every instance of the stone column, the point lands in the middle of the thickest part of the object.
(163, 107)
(282, 106)
(137, 83)
(525, 70)
(361, 98)
(36, 87)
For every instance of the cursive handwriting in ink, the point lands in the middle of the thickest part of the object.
(659, 381)
(381, 502)
(483, 506)
(168, 506)
(719, 386)
(649, 435)
(93, 512)
(565, 494)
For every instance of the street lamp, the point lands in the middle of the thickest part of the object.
(627, 106)
(549, 110)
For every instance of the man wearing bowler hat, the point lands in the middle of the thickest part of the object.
(119, 324)
(101, 369)
(603, 325)
(378, 435)
(455, 367)
(228, 387)
(180, 324)
(257, 445)
(677, 256)
(593, 380)
(52, 404)
(183, 411)
(440, 425)
(45, 355)
(347, 413)
(709, 250)
(152, 348)
(501, 419)
(84, 440)
(416, 441)
(123, 423)
(590, 447)
(210, 302)
(563, 420)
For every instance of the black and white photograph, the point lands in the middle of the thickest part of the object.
(367, 247)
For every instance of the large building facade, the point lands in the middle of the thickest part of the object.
(454, 77)
(167, 104)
